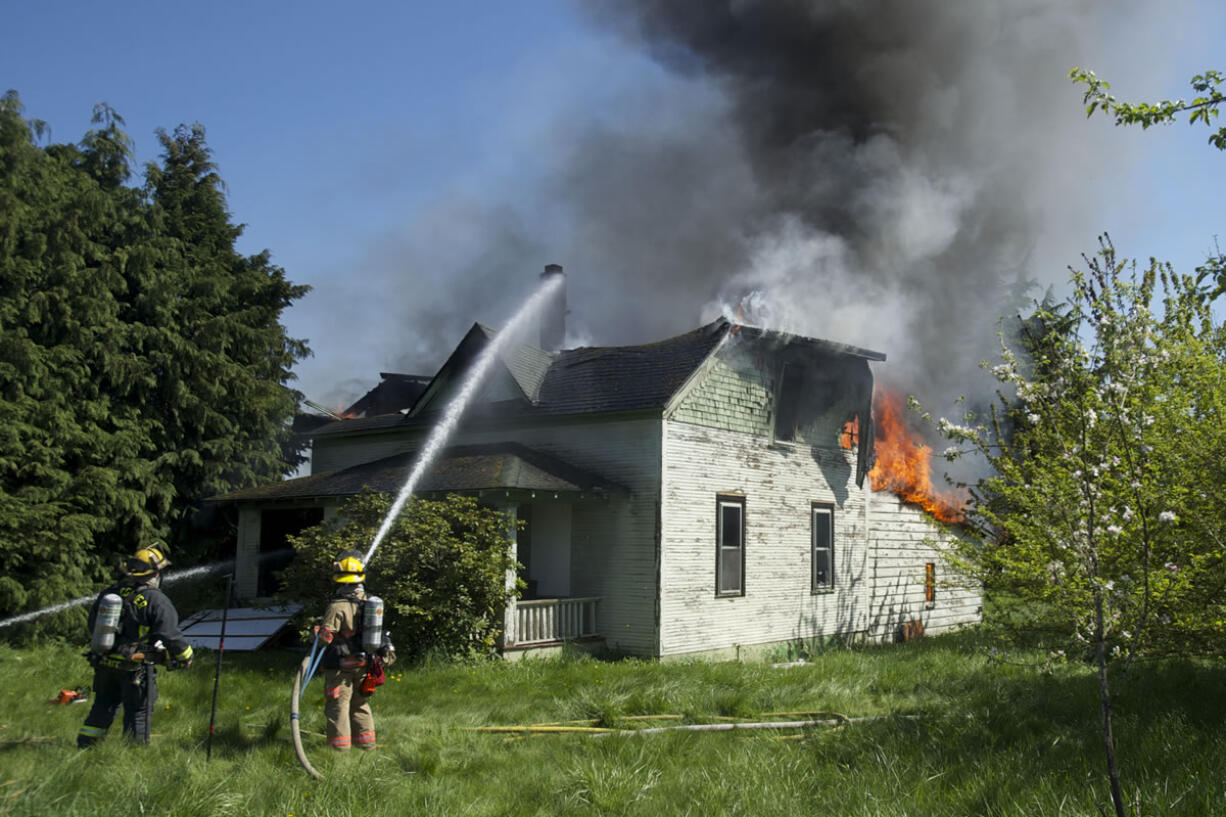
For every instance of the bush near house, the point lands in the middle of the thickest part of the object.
(441, 570)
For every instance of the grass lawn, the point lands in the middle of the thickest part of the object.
(950, 730)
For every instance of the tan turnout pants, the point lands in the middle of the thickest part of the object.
(350, 721)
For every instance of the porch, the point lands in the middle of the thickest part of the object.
(550, 622)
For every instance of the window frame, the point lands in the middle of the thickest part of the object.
(721, 502)
(823, 510)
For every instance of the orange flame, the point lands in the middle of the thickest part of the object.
(849, 437)
(904, 463)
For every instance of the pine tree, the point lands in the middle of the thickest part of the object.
(143, 365)
(69, 455)
(209, 322)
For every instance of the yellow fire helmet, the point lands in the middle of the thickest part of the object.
(148, 561)
(348, 568)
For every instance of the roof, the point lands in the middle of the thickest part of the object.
(591, 380)
(394, 392)
(461, 469)
(625, 378)
(583, 381)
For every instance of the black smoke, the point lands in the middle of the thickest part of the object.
(878, 172)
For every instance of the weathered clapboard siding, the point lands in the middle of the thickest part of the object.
(733, 391)
(737, 389)
(718, 439)
(779, 484)
(904, 538)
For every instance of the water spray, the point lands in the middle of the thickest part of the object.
(455, 409)
(438, 436)
(169, 578)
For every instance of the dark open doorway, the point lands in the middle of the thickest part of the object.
(276, 526)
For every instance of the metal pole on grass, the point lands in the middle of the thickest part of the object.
(147, 667)
(221, 647)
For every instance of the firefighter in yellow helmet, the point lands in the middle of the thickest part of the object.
(132, 623)
(354, 658)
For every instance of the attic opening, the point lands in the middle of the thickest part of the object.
(814, 399)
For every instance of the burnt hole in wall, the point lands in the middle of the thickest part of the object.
(812, 399)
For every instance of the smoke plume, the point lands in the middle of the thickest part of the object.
(876, 172)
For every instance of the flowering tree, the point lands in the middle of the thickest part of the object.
(1105, 510)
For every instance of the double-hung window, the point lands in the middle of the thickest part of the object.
(822, 547)
(730, 546)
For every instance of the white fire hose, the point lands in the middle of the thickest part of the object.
(301, 678)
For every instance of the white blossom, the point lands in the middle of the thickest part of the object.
(1166, 516)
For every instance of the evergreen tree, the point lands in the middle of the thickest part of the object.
(69, 453)
(207, 319)
(143, 365)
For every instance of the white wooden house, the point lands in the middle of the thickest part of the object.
(685, 497)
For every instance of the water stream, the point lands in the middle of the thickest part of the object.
(169, 578)
(441, 433)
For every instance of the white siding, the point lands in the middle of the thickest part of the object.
(779, 483)
(904, 539)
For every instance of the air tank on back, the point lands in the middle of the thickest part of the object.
(106, 624)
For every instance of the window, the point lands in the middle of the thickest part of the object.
(930, 582)
(823, 547)
(730, 546)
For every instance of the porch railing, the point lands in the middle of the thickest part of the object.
(545, 620)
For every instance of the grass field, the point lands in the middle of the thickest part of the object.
(949, 730)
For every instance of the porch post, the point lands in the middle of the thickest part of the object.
(247, 552)
(508, 616)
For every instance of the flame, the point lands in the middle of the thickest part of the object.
(849, 437)
(904, 463)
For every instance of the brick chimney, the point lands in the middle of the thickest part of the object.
(553, 317)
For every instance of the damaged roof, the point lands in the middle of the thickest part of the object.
(460, 469)
(592, 380)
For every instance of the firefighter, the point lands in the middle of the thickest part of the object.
(354, 658)
(133, 624)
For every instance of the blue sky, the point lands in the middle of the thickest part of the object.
(418, 163)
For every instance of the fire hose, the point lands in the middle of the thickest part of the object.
(306, 670)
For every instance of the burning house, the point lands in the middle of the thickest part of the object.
(708, 493)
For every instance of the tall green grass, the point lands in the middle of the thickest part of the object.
(955, 732)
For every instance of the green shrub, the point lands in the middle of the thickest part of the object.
(440, 570)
